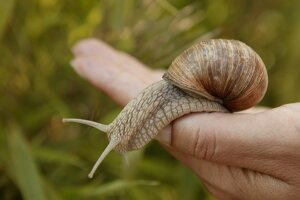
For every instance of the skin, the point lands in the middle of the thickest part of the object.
(249, 155)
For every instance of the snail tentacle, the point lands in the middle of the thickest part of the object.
(101, 127)
(112, 144)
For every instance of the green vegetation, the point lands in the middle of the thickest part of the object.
(40, 158)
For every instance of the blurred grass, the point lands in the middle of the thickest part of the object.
(22, 167)
(40, 158)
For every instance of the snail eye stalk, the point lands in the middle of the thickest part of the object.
(101, 127)
(104, 128)
(112, 144)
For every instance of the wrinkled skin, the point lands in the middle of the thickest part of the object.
(250, 155)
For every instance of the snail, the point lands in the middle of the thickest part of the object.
(216, 75)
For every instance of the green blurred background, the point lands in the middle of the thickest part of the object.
(40, 158)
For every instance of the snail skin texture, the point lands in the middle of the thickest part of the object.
(215, 75)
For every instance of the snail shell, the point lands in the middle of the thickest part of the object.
(227, 71)
(212, 76)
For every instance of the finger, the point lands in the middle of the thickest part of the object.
(114, 81)
(119, 75)
(227, 182)
(262, 142)
(91, 46)
(98, 48)
(254, 110)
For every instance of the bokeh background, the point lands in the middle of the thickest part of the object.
(40, 158)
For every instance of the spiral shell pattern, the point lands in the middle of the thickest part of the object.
(225, 71)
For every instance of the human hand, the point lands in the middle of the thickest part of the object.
(237, 156)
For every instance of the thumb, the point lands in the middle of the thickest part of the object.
(251, 141)
(227, 182)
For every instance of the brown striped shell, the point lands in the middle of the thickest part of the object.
(226, 71)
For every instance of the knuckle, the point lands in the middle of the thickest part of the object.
(205, 145)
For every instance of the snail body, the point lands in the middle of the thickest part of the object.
(211, 76)
(152, 110)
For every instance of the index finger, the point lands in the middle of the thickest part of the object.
(119, 75)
